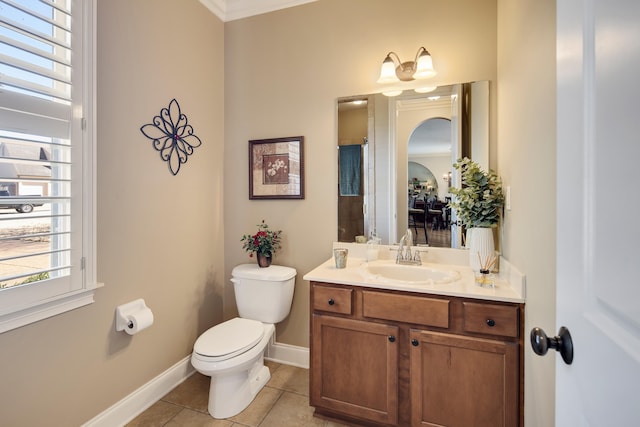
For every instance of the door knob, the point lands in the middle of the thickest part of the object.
(562, 343)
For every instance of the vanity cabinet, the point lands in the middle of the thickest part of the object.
(355, 369)
(394, 358)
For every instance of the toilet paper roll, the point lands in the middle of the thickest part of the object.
(139, 321)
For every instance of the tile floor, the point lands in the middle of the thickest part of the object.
(283, 402)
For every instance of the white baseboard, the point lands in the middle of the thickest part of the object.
(288, 354)
(137, 402)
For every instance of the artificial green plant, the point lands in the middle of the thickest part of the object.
(479, 201)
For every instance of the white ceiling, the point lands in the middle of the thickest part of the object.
(230, 10)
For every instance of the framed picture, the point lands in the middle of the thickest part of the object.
(276, 168)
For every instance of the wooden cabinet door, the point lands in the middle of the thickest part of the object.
(354, 368)
(459, 381)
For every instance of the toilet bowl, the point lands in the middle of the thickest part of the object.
(232, 353)
(236, 377)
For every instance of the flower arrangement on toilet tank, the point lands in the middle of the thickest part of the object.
(479, 202)
(264, 242)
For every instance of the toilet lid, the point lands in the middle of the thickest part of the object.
(229, 338)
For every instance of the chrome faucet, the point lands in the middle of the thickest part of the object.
(405, 241)
(404, 255)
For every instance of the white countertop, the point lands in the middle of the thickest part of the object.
(509, 282)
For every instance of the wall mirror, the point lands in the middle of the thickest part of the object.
(395, 159)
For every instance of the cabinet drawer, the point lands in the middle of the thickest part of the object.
(404, 308)
(333, 299)
(490, 319)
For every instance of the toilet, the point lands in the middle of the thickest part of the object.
(232, 353)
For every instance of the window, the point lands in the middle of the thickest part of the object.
(47, 180)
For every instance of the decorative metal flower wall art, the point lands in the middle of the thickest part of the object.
(172, 136)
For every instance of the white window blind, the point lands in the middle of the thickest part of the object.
(43, 161)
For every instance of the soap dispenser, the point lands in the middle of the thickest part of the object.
(373, 245)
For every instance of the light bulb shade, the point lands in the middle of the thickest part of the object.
(424, 66)
(425, 89)
(392, 92)
(388, 72)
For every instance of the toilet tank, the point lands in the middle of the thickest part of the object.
(263, 294)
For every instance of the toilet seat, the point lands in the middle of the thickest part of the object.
(228, 339)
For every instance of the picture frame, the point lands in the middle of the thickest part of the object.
(276, 168)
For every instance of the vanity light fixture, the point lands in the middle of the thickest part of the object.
(393, 71)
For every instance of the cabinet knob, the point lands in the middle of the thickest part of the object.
(415, 342)
(331, 301)
(392, 338)
(491, 323)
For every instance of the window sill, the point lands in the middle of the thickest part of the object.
(47, 309)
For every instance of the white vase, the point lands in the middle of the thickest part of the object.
(481, 247)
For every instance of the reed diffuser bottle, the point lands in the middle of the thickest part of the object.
(485, 277)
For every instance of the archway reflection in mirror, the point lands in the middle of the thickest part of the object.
(429, 159)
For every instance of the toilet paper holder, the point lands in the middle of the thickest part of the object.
(125, 310)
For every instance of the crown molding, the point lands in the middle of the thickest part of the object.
(230, 10)
(217, 7)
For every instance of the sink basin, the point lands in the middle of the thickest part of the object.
(389, 271)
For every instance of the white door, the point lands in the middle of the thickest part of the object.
(598, 252)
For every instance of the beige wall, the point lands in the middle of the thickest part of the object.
(527, 163)
(284, 73)
(159, 236)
